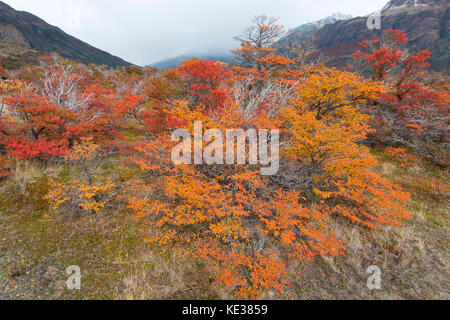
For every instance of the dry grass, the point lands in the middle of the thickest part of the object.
(37, 245)
(414, 259)
(157, 276)
(28, 172)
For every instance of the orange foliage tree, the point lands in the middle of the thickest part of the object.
(325, 125)
(88, 192)
(247, 227)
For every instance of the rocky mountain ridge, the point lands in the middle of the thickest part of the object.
(425, 22)
(23, 34)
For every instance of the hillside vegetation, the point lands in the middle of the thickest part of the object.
(89, 177)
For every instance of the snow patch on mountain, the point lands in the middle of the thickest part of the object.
(312, 26)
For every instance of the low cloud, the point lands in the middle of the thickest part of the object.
(145, 31)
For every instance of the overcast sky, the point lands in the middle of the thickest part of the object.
(145, 31)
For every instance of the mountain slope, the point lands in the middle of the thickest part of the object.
(301, 32)
(425, 21)
(304, 31)
(23, 33)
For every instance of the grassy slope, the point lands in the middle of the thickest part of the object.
(36, 245)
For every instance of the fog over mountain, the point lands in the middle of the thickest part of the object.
(146, 31)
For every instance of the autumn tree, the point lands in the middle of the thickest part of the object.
(329, 91)
(248, 227)
(303, 53)
(408, 113)
(325, 126)
(232, 215)
(263, 79)
(204, 82)
(414, 117)
(257, 41)
(60, 105)
(35, 127)
(7, 87)
(89, 191)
